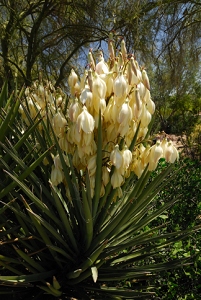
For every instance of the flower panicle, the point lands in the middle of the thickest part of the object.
(119, 90)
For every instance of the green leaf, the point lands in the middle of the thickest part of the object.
(29, 260)
(63, 215)
(25, 174)
(87, 220)
(4, 94)
(28, 278)
(98, 176)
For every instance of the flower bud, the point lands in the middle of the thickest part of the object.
(135, 73)
(91, 60)
(145, 79)
(129, 73)
(111, 49)
(123, 50)
(90, 80)
(133, 66)
(120, 61)
(115, 69)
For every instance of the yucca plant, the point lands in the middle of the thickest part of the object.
(76, 186)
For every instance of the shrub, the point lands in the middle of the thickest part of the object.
(77, 188)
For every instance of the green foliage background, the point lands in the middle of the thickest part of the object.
(182, 283)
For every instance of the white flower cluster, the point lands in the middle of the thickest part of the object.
(120, 90)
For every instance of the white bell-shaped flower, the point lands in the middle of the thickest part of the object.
(156, 152)
(72, 79)
(99, 87)
(138, 99)
(74, 110)
(120, 86)
(116, 179)
(87, 139)
(91, 165)
(150, 105)
(125, 114)
(101, 66)
(116, 157)
(170, 152)
(86, 96)
(138, 168)
(112, 132)
(127, 157)
(56, 176)
(145, 116)
(59, 124)
(142, 90)
(85, 121)
(108, 79)
(105, 175)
